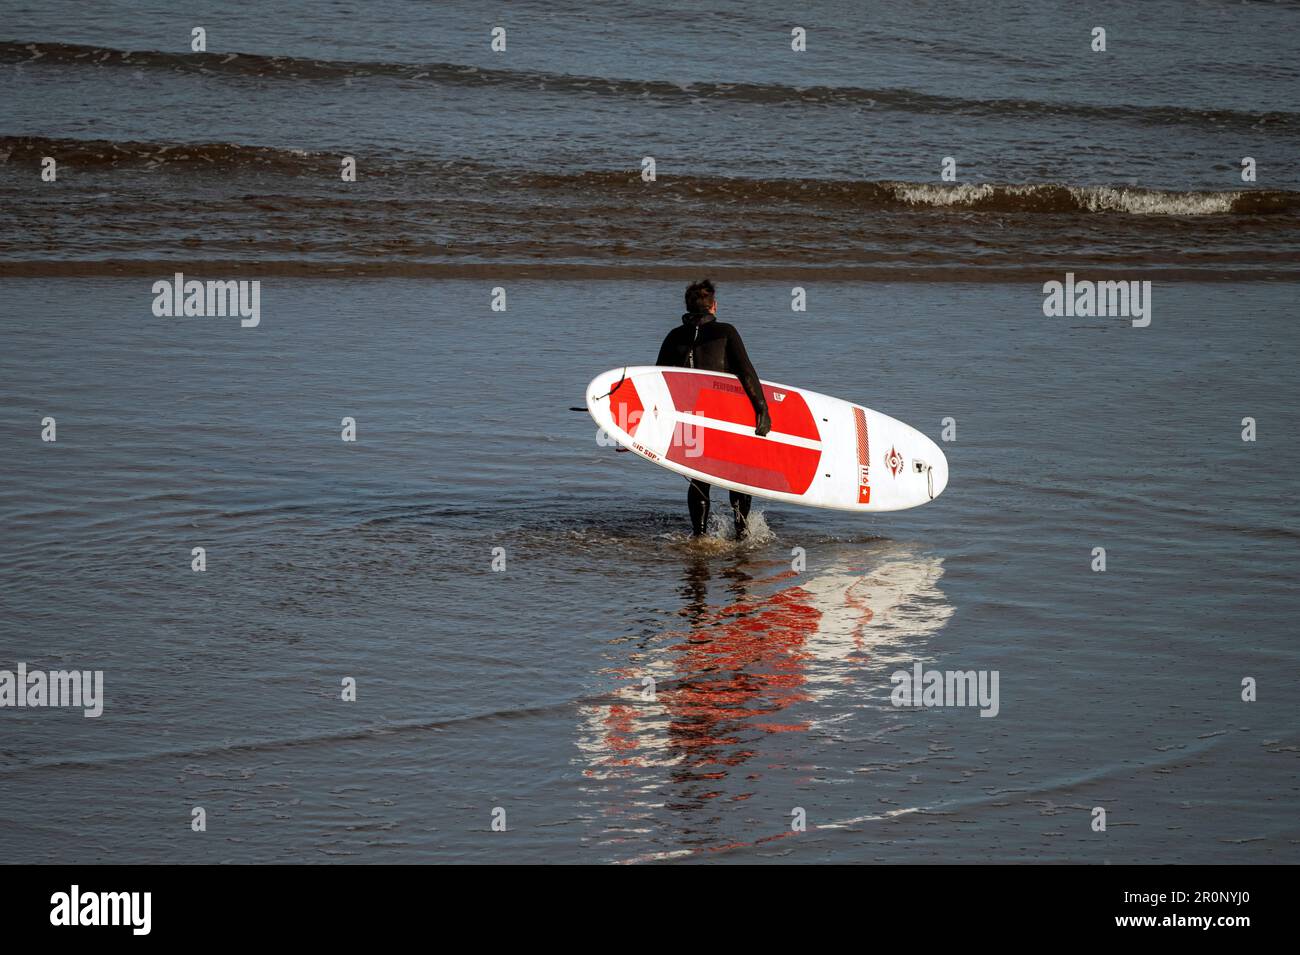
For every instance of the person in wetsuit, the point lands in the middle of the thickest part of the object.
(703, 342)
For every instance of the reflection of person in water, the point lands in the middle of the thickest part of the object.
(737, 670)
(695, 591)
(702, 342)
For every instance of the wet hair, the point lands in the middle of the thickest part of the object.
(699, 296)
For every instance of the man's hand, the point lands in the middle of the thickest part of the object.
(764, 424)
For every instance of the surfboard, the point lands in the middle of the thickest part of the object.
(821, 451)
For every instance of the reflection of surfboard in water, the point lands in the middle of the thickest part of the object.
(826, 639)
(821, 451)
(761, 686)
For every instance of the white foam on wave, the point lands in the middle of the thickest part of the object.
(1133, 201)
(1145, 202)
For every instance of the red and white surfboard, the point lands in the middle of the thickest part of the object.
(821, 451)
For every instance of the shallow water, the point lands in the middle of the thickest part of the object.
(522, 688)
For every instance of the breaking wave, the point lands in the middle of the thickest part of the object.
(225, 158)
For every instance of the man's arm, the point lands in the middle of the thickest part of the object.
(738, 361)
(666, 353)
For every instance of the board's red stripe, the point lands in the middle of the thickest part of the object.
(864, 456)
(722, 398)
(745, 459)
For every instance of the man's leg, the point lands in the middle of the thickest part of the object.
(740, 510)
(697, 499)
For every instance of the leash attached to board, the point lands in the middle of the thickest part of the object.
(618, 384)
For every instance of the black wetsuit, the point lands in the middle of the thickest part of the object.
(702, 342)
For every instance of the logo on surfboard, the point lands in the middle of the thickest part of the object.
(894, 461)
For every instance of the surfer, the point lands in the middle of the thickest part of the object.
(703, 342)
